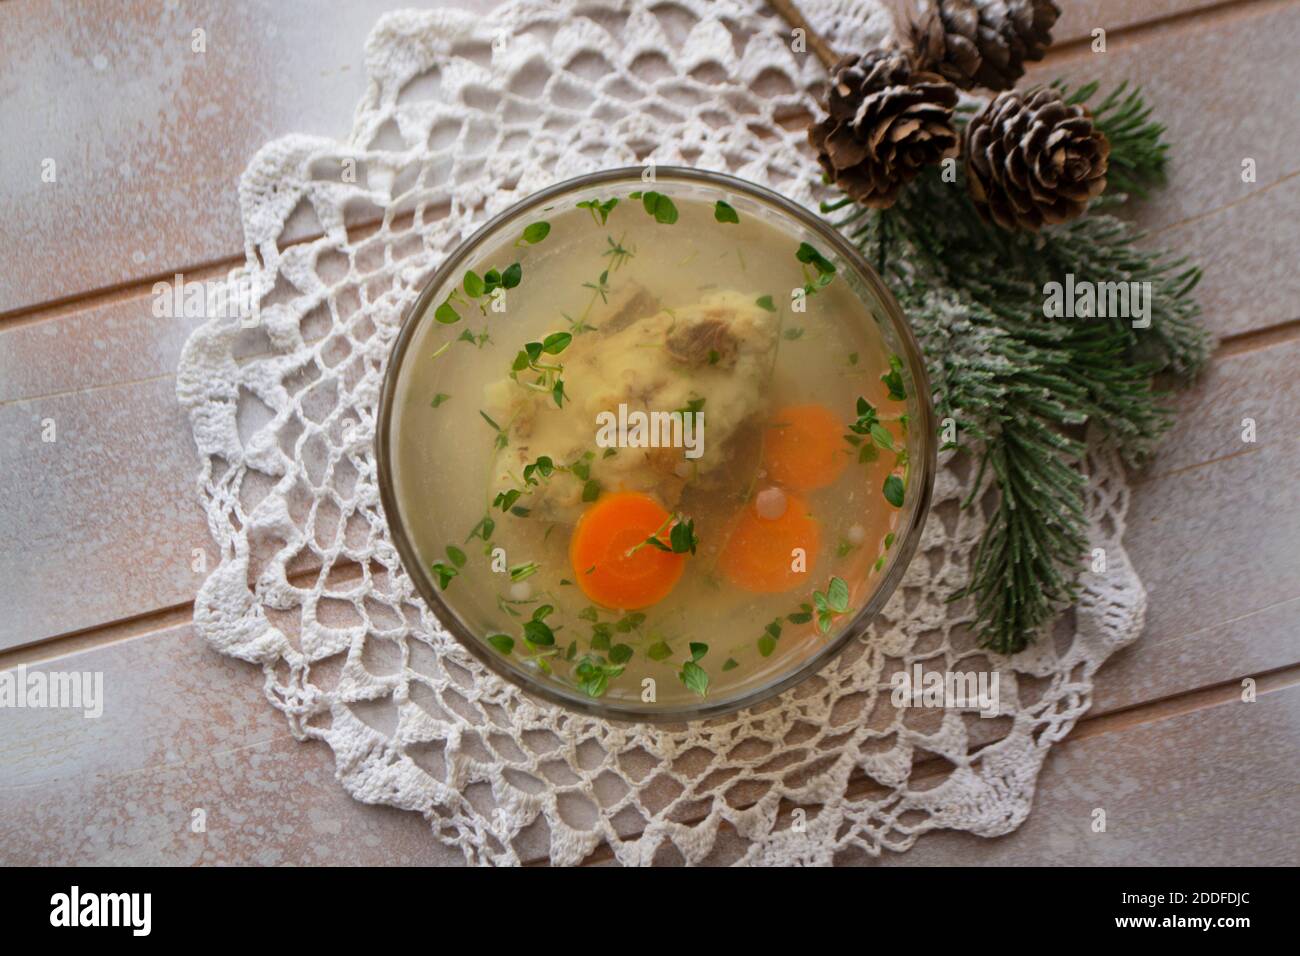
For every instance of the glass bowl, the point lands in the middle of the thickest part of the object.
(878, 306)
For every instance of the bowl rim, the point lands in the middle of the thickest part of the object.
(920, 482)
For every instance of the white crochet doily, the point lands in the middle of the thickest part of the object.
(464, 115)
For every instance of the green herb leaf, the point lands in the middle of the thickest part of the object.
(456, 555)
(536, 232)
(806, 253)
(837, 595)
(620, 654)
(483, 529)
(473, 284)
(894, 491)
(802, 616)
(511, 277)
(603, 209)
(618, 256)
(446, 314)
(502, 642)
(695, 678)
(506, 499)
(698, 650)
(439, 399)
(682, 537)
(729, 664)
(893, 379)
(556, 342)
(630, 622)
(521, 571)
(723, 212)
(765, 303)
(591, 490)
(659, 206)
(659, 651)
(766, 645)
(596, 684)
(444, 573)
(539, 633)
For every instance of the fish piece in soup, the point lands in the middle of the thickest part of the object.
(707, 361)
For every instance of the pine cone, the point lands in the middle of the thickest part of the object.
(885, 123)
(1032, 159)
(980, 42)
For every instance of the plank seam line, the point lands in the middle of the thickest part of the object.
(1137, 481)
(161, 767)
(1208, 697)
(86, 390)
(89, 299)
(1240, 343)
(1230, 204)
(1209, 14)
(45, 650)
(148, 624)
(1234, 620)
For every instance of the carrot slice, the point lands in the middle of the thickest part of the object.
(759, 555)
(600, 546)
(804, 447)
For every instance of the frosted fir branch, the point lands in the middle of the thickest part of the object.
(1020, 384)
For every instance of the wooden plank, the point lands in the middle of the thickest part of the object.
(1080, 17)
(148, 136)
(183, 729)
(1234, 229)
(1216, 786)
(1212, 530)
(111, 343)
(1174, 64)
(148, 149)
(1249, 280)
(101, 523)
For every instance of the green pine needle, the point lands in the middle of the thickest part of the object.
(1138, 151)
(1022, 386)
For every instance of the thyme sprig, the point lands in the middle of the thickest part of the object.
(532, 357)
(681, 537)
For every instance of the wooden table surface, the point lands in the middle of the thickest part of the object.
(98, 529)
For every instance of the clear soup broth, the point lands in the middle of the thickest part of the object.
(653, 445)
